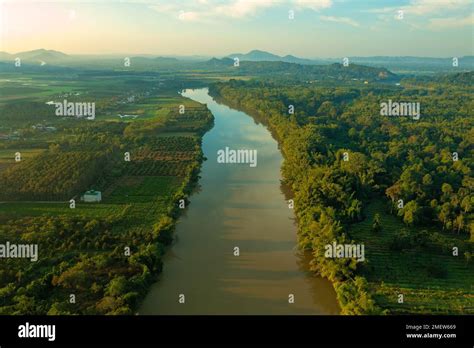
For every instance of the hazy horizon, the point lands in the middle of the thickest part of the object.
(121, 54)
(319, 28)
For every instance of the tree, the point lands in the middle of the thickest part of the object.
(376, 226)
(327, 109)
(467, 256)
(447, 189)
(410, 213)
(459, 223)
(60, 308)
(25, 305)
(427, 180)
(117, 286)
(163, 230)
(76, 277)
(466, 204)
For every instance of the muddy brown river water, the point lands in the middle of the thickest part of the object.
(241, 206)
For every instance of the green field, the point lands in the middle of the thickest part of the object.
(91, 210)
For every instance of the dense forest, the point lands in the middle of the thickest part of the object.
(342, 159)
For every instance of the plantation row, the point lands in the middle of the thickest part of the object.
(147, 154)
(158, 168)
(52, 175)
(168, 143)
(86, 159)
(422, 301)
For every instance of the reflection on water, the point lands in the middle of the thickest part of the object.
(244, 207)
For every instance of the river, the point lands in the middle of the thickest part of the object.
(240, 206)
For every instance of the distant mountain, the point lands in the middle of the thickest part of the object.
(306, 72)
(192, 58)
(166, 60)
(401, 63)
(292, 59)
(263, 56)
(154, 61)
(256, 56)
(42, 54)
(219, 63)
(413, 64)
(5, 56)
(462, 78)
(35, 55)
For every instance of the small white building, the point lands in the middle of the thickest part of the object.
(92, 196)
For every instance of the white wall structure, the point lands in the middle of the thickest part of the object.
(92, 196)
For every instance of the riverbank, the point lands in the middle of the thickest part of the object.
(352, 291)
(238, 206)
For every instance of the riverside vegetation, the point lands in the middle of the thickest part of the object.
(421, 249)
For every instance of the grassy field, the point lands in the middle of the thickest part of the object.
(91, 210)
(430, 278)
(139, 189)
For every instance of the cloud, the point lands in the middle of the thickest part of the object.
(425, 7)
(427, 14)
(343, 20)
(444, 23)
(312, 4)
(243, 8)
(189, 16)
(205, 10)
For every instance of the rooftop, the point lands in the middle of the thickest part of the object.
(92, 192)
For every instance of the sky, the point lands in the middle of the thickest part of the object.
(305, 28)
